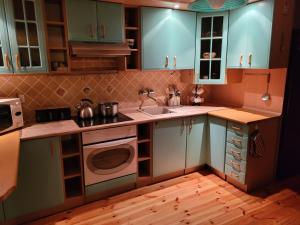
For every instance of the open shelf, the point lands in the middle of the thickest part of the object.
(144, 168)
(72, 166)
(144, 149)
(54, 10)
(70, 144)
(73, 187)
(144, 132)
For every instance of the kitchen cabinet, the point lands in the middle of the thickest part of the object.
(168, 39)
(40, 182)
(5, 56)
(196, 141)
(216, 143)
(211, 48)
(169, 146)
(1, 213)
(249, 37)
(26, 36)
(94, 21)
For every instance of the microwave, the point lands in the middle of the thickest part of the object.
(11, 115)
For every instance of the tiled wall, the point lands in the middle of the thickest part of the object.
(43, 91)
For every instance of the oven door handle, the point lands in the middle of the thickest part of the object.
(110, 143)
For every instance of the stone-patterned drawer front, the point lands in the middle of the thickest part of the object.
(240, 177)
(238, 129)
(237, 166)
(237, 153)
(238, 142)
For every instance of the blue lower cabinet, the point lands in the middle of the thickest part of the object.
(1, 213)
(196, 141)
(169, 146)
(111, 185)
(40, 181)
(216, 143)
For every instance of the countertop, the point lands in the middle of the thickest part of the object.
(69, 126)
(9, 161)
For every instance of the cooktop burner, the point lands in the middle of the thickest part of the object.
(98, 120)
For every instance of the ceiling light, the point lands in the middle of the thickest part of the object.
(216, 5)
(176, 6)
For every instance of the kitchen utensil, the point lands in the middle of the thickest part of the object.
(266, 96)
(208, 55)
(85, 109)
(109, 109)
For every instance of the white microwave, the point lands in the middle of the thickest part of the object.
(11, 115)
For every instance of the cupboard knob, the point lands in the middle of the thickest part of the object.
(250, 59)
(175, 61)
(241, 60)
(167, 62)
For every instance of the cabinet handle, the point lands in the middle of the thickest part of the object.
(175, 61)
(91, 32)
(6, 62)
(191, 125)
(241, 60)
(18, 64)
(182, 126)
(167, 62)
(282, 46)
(237, 155)
(250, 59)
(103, 31)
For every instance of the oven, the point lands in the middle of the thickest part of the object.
(109, 154)
(11, 116)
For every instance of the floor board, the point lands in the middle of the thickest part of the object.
(198, 198)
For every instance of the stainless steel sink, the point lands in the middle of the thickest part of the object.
(156, 110)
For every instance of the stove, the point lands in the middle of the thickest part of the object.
(99, 120)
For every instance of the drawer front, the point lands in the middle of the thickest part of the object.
(240, 177)
(95, 136)
(237, 153)
(237, 166)
(238, 142)
(238, 129)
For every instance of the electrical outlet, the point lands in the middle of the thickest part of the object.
(21, 97)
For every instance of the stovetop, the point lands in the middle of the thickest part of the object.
(98, 120)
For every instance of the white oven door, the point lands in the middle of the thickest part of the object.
(109, 160)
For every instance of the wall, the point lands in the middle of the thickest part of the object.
(247, 90)
(45, 91)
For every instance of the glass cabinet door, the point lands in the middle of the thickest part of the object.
(211, 48)
(5, 59)
(26, 35)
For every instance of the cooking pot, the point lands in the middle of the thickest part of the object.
(109, 109)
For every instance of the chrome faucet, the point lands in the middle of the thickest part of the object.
(146, 92)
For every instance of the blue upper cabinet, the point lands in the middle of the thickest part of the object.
(26, 35)
(168, 39)
(82, 20)
(93, 21)
(110, 28)
(5, 57)
(211, 48)
(249, 38)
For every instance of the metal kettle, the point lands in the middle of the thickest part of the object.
(85, 109)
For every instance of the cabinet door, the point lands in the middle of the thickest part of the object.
(40, 182)
(196, 141)
(110, 22)
(82, 20)
(5, 57)
(216, 142)
(169, 146)
(183, 39)
(211, 48)
(26, 35)
(156, 38)
(237, 38)
(260, 18)
(1, 213)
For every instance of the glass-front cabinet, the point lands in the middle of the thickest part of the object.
(25, 34)
(211, 46)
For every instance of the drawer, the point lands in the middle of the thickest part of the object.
(238, 142)
(238, 129)
(240, 177)
(237, 153)
(237, 166)
(109, 134)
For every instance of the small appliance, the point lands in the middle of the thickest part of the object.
(11, 115)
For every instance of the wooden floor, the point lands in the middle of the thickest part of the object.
(192, 199)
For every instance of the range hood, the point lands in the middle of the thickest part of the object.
(86, 50)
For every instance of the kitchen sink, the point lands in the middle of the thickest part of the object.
(156, 110)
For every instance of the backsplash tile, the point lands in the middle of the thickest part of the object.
(46, 91)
